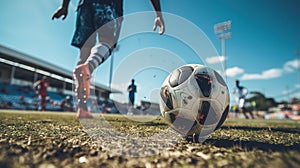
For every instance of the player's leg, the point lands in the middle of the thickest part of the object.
(244, 112)
(108, 33)
(242, 107)
(251, 114)
(40, 103)
(82, 76)
(131, 101)
(84, 38)
(43, 103)
(40, 98)
(108, 28)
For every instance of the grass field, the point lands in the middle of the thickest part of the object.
(48, 139)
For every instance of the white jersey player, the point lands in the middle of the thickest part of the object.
(240, 97)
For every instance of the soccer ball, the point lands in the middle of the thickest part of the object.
(194, 99)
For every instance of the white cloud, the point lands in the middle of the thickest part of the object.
(297, 85)
(290, 66)
(234, 71)
(268, 74)
(215, 59)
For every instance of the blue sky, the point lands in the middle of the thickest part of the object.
(261, 52)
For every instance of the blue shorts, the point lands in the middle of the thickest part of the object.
(92, 16)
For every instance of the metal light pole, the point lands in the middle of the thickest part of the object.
(112, 67)
(221, 30)
(297, 53)
(111, 70)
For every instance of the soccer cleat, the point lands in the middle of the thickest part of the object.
(83, 77)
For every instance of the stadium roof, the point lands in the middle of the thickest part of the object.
(9, 54)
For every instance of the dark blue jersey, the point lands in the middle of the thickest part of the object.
(132, 89)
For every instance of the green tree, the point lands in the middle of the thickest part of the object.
(262, 102)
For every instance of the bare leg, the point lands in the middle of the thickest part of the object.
(82, 76)
(251, 114)
(244, 112)
(90, 58)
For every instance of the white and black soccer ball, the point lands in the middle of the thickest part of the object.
(194, 99)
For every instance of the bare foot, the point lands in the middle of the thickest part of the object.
(83, 114)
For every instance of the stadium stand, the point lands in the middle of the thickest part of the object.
(18, 72)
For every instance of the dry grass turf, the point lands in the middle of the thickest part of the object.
(48, 139)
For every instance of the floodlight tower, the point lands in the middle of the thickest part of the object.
(221, 29)
(297, 53)
(112, 66)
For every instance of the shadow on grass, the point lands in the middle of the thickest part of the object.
(245, 128)
(251, 145)
(153, 124)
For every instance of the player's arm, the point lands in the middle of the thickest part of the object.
(36, 84)
(134, 89)
(62, 11)
(159, 19)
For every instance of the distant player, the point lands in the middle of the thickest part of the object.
(131, 93)
(240, 97)
(91, 15)
(41, 87)
(66, 105)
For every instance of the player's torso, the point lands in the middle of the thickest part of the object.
(241, 91)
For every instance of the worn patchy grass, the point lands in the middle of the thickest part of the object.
(41, 139)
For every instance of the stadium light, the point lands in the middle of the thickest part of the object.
(222, 27)
(221, 30)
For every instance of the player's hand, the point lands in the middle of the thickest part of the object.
(159, 22)
(60, 12)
